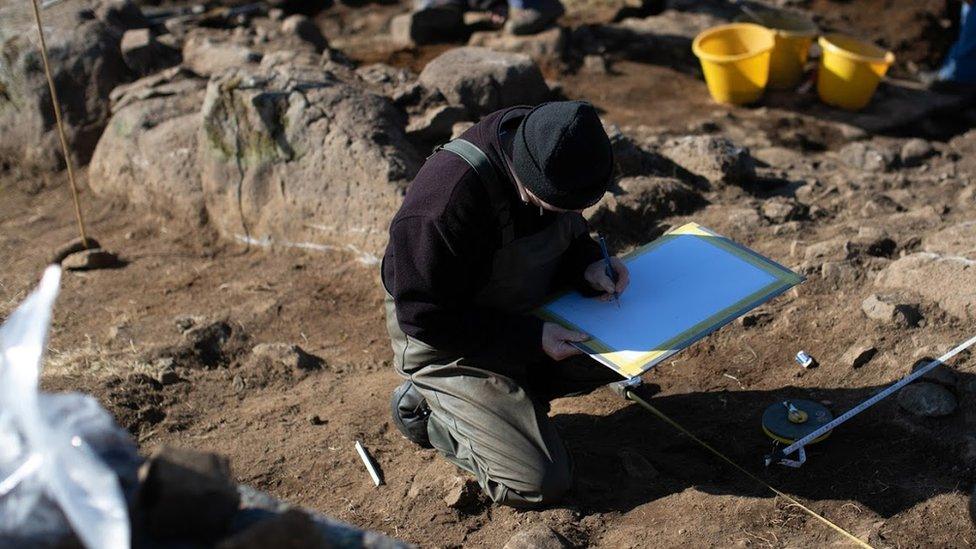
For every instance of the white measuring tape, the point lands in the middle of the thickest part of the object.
(780, 456)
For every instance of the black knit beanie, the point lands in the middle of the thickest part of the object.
(562, 154)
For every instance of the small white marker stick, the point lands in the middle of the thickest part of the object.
(368, 462)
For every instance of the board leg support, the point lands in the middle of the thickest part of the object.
(621, 387)
(779, 457)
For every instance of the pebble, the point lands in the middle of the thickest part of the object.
(537, 537)
(859, 354)
(314, 419)
(890, 309)
(238, 384)
(914, 151)
(464, 496)
(168, 377)
(95, 258)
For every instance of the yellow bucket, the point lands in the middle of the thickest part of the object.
(793, 35)
(850, 71)
(735, 60)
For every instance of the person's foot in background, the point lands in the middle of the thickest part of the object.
(958, 71)
(532, 16)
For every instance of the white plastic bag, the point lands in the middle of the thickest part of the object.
(48, 469)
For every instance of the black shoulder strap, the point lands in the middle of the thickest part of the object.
(482, 166)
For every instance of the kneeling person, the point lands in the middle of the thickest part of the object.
(490, 227)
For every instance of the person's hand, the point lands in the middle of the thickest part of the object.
(596, 276)
(556, 341)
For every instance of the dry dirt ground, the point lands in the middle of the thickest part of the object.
(890, 478)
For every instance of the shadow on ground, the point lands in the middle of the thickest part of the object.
(884, 459)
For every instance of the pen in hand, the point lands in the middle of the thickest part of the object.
(609, 268)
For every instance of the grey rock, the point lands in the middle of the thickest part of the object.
(717, 159)
(168, 376)
(305, 29)
(635, 206)
(915, 151)
(482, 80)
(292, 529)
(289, 153)
(387, 80)
(291, 357)
(86, 63)
(859, 354)
(926, 399)
(143, 54)
(744, 219)
(187, 494)
(546, 47)
(147, 156)
(957, 240)
(206, 56)
(780, 209)
(464, 495)
(891, 309)
(755, 318)
(836, 272)
(536, 537)
(949, 281)
(835, 249)
(866, 156)
(238, 383)
(873, 241)
(91, 259)
(185, 323)
(435, 125)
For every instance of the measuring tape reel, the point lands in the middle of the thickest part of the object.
(791, 420)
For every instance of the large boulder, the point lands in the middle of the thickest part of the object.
(947, 280)
(83, 46)
(482, 80)
(147, 155)
(290, 154)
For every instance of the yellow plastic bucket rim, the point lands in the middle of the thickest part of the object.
(826, 44)
(696, 44)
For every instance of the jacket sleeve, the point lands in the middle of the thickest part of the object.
(434, 285)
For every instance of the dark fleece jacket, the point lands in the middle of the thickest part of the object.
(442, 242)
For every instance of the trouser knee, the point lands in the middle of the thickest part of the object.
(547, 487)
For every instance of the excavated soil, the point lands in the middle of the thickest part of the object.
(888, 477)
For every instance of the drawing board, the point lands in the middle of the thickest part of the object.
(683, 286)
